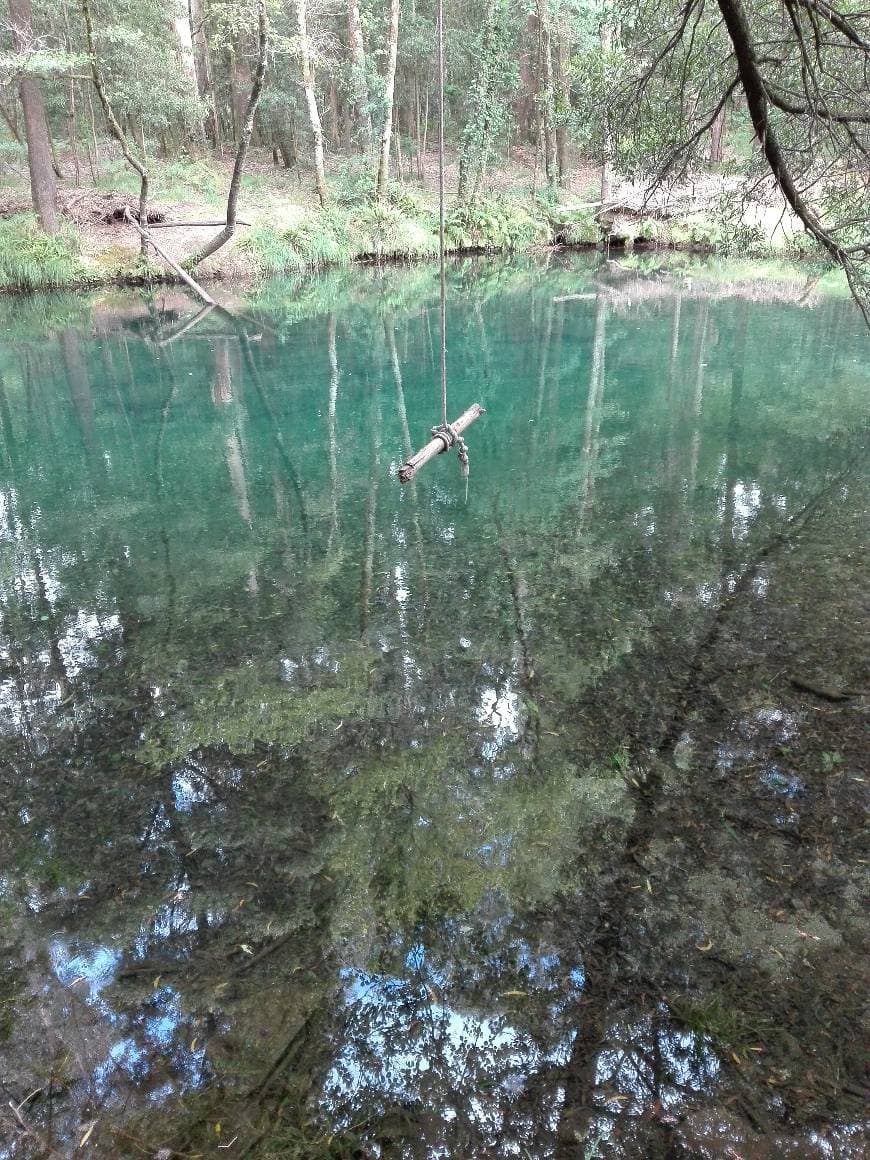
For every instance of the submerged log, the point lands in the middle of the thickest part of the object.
(439, 443)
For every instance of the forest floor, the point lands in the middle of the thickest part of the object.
(286, 230)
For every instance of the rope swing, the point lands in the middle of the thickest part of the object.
(445, 435)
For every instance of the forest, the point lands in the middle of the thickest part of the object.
(307, 130)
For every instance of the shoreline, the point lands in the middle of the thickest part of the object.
(234, 275)
(94, 249)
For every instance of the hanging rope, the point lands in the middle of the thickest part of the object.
(441, 262)
(445, 435)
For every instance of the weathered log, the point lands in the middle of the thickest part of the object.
(437, 444)
(171, 263)
(164, 225)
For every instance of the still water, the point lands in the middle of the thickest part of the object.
(346, 819)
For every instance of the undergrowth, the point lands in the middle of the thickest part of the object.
(356, 226)
(31, 260)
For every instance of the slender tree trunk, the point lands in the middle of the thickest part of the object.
(71, 110)
(417, 128)
(359, 83)
(334, 117)
(399, 159)
(425, 146)
(717, 138)
(73, 140)
(562, 97)
(195, 130)
(546, 94)
(115, 128)
(92, 120)
(43, 186)
(605, 34)
(196, 15)
(311, 100)
(525, 106)
(474, 143)
(389, 93)
(229, 229)
(240, 81)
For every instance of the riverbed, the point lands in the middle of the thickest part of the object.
(511, 816)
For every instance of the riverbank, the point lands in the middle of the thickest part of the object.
(283, 231)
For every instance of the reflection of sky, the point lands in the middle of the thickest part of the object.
(416, 1037)
(96, 965)
(76, 644)
(647, 1058)
(147, 1038)
(500, 711)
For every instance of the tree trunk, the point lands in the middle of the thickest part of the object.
(43, 185)
(73, 139)
(389, 93)
(605, 33)
(240, 81)
(358, 81)
(474, 143)
(244, 141)
(311, 100)
(546, 94)
(202, 64)
(562, 99)
(525, 113)
(181, 27)
(115, 128)
(334, 117)
(717, 138)
(92, 120)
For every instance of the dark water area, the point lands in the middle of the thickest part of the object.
(341, 819)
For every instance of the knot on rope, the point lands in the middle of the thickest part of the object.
(462, 451)
(447, 435)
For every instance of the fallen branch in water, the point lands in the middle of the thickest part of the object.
(170, 262)
(826, 692)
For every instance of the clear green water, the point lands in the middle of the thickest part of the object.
(342, 819)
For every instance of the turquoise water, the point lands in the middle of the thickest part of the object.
(341, 818)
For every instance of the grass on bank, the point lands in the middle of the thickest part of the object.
(356, 226)
(31, 260)
(289, 238)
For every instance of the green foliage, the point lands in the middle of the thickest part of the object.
(573, 221)
(30, 260)
(713, 1017)
(496, 224)
(399, 227)
(319, 239)
(244, 707)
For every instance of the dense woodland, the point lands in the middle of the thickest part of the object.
(347, 92)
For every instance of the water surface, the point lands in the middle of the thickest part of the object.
(342, 819)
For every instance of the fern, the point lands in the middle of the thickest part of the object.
(31, 260)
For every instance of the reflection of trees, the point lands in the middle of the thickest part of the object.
(312, 838)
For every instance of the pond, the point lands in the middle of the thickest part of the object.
(511, 817)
